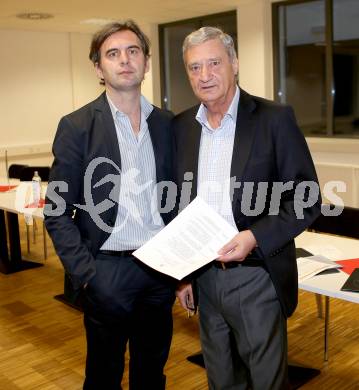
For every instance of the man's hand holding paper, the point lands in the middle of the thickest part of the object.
(192, 240)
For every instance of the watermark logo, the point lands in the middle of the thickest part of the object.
(124, 186)
(128, 187)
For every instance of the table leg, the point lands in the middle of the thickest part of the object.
(70, 297)
(14, 239)
(10, 259)
(326, 329)
(44, 239)
(4, 256)
(318, 299)
(27, 238)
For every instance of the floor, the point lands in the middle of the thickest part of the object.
(42, 344)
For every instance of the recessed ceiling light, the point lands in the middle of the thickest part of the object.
(34, 16)
(97, 21)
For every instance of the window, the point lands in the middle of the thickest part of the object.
(316, 64)
(176, 92)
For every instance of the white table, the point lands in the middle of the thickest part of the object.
(11, 204)
(14, 203)
(335, 248)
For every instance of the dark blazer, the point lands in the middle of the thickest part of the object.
(268, 147)
(82, 136)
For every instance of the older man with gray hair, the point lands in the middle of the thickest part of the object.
(246, 295)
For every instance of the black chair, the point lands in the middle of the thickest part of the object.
(26, 174)
(346, 224)
(14, 171)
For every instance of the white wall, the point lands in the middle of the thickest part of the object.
(46, 75)
(35, 85)
(151, 88)
(43, 76)
(85, 84)
(253, 46)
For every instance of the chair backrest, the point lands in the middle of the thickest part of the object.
(27, 173)
(15, 170)
(345, 224)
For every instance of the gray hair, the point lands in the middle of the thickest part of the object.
(205, 34)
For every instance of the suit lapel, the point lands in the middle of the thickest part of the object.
(109, 129)
(155, 129)
(192, 142)
(243, 138)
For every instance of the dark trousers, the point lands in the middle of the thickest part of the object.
(243, 330)
(127, 302)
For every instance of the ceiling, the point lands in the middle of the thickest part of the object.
(70, 15)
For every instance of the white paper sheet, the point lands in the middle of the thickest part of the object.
(189, 242)
(313, 265)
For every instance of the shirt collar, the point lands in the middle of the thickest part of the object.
(232, 111)
(146, 107)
